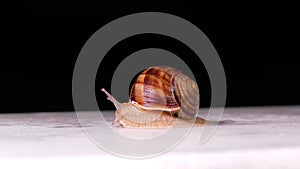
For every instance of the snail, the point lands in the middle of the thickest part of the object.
(161, 97)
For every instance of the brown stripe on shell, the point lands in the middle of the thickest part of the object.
(153, 89)
(132, 94)
(165, 87)
(176, 92)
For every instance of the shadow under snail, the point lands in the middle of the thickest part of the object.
(161, 97)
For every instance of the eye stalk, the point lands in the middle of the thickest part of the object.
(117, 104)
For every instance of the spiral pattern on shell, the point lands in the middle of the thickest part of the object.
(166, 89)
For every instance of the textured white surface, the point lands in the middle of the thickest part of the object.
(253, 137)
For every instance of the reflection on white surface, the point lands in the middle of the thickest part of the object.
(268, 137)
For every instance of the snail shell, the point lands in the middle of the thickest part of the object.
(161, 97)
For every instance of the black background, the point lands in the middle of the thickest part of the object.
(257, 43)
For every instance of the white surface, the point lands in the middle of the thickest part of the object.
(253, 137)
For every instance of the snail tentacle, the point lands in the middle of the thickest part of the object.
(117, 104)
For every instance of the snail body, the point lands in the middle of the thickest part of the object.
(161, 97)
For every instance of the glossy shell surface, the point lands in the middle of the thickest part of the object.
(165, 88)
